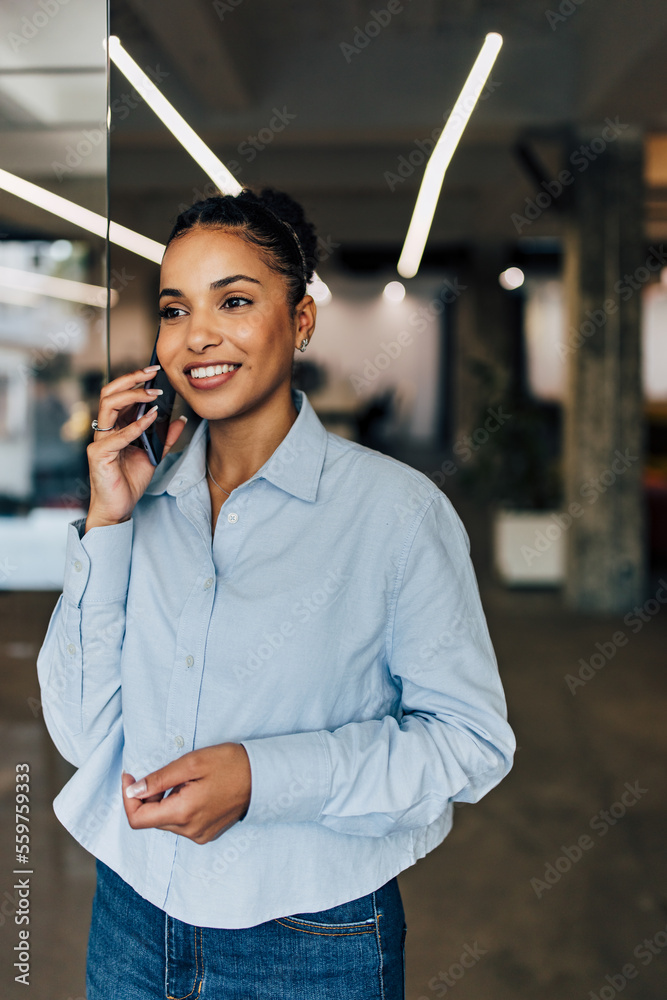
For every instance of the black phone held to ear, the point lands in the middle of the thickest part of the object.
(153, 439)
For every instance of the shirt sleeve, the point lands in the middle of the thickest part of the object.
(78, 665)
(452, 741)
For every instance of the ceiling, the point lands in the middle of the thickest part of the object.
(304, 96)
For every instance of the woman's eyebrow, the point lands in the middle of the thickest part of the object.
(220, 283)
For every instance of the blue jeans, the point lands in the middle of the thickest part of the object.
(354, 951)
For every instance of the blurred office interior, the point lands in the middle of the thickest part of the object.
(523, 368)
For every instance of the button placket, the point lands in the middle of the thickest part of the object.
(193, 624)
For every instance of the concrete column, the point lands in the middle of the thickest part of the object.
(605, 270)
(485, 335)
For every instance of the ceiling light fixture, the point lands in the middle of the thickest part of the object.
(222, 177)
(56, 288)
(79, 216)
(394, 292)
(512, 277)
(429, 192)
(169, 116)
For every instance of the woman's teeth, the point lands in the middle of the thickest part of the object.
(212, 370)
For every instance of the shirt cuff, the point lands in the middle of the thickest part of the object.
(290, 778)
(97, 563)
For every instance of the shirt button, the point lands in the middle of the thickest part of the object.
(189, 660)
(179, 741)
(232, 517)
(209, 583)
(71, 648)
(78, 565)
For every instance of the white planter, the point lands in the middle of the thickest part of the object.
(529, 547)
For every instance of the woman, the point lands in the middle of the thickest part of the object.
(277, 636)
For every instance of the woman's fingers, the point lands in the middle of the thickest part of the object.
(111, 442)
(175, 430)
(111, 404)
(127, 381)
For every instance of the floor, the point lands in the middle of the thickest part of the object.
(552, 887)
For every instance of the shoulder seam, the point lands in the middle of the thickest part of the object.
(414, 474)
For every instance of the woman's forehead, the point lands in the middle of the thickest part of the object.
(201, 254)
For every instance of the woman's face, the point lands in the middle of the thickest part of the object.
(222, 305)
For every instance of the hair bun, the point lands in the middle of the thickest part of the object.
(289, 210)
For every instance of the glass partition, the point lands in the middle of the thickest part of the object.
(53, 284)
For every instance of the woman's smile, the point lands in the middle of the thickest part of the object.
(212, 374)
(223, 308)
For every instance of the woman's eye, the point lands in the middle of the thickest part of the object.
(168, 312)
(235, 300)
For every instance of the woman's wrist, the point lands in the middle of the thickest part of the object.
(93, 521)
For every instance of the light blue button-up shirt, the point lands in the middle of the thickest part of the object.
(333, 626)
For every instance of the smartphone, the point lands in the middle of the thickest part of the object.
(153, 439)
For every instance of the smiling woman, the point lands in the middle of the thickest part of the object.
(262, 745)
(233, 309)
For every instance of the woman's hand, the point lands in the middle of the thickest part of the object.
(211, 791)
(120, 474)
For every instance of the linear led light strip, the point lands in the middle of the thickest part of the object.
(434, 174)
(57, 288)
(188, 138)
(177, 125)
(80, 216)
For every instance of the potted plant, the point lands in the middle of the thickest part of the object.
(518, 475)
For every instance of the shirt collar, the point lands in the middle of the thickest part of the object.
(295, 466)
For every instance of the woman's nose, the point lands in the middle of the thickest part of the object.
(202, 331)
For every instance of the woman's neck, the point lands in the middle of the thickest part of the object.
(239, 446)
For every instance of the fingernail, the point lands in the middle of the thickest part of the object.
(152, 410)
(152, 368)
(183, 418)
(137, 789)
(155, 392)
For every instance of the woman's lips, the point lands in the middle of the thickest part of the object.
(211, 381)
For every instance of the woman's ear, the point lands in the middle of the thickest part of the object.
(305, 315)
